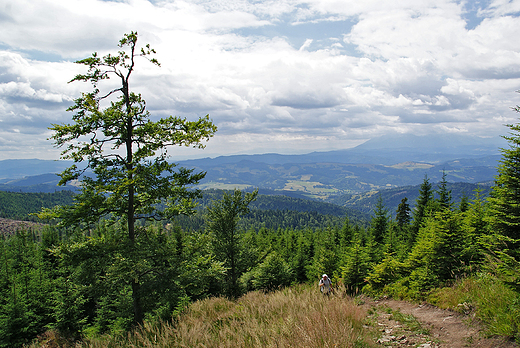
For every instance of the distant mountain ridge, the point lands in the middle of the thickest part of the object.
(18, 168)
(381, 163)
(385, 150)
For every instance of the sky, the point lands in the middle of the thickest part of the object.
(284, 76)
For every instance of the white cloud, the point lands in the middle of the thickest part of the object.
(268, 73)
(24, 91)
(306, 44)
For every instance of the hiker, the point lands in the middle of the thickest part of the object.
(325, 285)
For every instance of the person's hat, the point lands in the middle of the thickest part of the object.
(324, 276)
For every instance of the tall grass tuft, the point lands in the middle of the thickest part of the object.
(293, 317)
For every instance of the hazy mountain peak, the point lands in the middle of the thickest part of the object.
(432, 143)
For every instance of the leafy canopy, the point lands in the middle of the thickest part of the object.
(123, 148)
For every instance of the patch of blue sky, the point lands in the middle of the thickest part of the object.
(42, 56)
(34, 54)
(473, 12)
(323, 33)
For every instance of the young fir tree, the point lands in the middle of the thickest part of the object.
(464, 203)
(356, 262)
(504, 207)
(379, 224)
(113, 136)
(402, 216)
(439, 252)
(505, 194)
(401, 228)
(422, 207)
(477, 230)
(444, 200)
(222, 222)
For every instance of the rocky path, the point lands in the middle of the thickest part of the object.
(404, 324)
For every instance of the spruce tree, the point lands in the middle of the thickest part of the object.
(505, 194)
(401, 228)
(504, 207)
(379, 224)
(402, 215)
(222, 222)
(444, 200)
(422, 205)
(464, 203)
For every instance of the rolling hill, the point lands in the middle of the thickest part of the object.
(383, 163)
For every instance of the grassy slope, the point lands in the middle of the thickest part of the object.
(299, 316)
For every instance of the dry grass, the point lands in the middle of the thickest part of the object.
(293, 317)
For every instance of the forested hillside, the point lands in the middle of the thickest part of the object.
(19, 205)
(271, 211)
(327, 180)
(359, 207)
(367, 201)
(320, 180)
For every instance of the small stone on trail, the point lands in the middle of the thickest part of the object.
(425, 345)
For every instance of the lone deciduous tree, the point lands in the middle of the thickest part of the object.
(126, 152)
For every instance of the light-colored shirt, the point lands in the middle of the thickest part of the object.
(326, 285)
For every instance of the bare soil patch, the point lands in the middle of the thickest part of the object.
(9, 227)
(405, 324)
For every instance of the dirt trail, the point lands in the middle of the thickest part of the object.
(438, 328)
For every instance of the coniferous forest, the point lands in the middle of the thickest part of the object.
(133, 248)
(77, 281)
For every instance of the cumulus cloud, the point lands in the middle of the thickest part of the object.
(271, 75)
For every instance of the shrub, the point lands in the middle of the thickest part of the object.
(271, 274)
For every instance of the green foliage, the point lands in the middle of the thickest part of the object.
(20, 206)
(27, 282)
(379, 225)
(324, 261)
(273, 273)
(222, 222)
(422, 207)
(478, 233)
(127, 154)
(356, 263)
(504, 208)
(490, 300)
(384, 273)
(436, 257)
(402, 216)
(504, 200)
(270, 219)
(83, 286)
(201, 275)
(444, 200)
